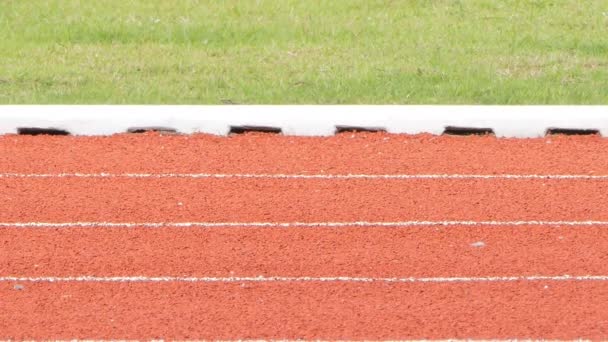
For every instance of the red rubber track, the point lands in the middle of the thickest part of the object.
(368, 252)
(307, 311)
(244, 200)
(344, 153)
(471, 308)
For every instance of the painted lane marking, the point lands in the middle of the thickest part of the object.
(279, 279)
(318, 340)
(305, 176)
(293, 224)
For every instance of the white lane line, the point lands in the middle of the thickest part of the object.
(293, 224)
(318, 340)
(396, 340)
(306, 176)
(279, 279)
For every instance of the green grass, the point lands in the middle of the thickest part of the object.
(304, 51)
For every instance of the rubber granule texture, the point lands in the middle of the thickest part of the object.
(366, 236)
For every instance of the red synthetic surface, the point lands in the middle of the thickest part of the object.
(345, 153)
(308, 311)
(244, 200)
(312, 310)
(367, 252)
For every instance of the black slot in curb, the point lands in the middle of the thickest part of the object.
(163, 130)
(452, 130)
(359, 129)
(254, 129)
(571, 131)
(41, 131)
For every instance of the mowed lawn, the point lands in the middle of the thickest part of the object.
(304, 51)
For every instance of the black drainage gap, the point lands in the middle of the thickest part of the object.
(571, 131)
(358, 129)
(254, 129)
(164, 130)
(41, 131)
(452, 130)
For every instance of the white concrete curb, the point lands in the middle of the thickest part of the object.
(505, 121)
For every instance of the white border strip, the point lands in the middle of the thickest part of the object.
(363, 224)
(506, 121)
(444, 340)
(318, 340)
(304, 176)
(279, 279)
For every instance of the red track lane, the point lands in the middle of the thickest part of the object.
(345, 153)
(246, 200)
(305, 310)
(547, 309)
(320, 252)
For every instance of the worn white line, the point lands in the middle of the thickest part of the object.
(317, 340)
(441, 340)
(306, 176)
(279, 279)
(363, 224)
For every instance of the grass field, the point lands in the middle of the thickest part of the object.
(304, 51)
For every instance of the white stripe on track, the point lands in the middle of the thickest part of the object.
(278, 279)
(444, 340)
(318, 340)
(293, 224)
(305, 176)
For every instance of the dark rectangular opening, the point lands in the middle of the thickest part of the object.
(41, 131)
(164, 130)
(453, 130)
(254, 129)
(572, 131)
(358, 129)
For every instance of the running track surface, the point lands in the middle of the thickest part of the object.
(352, 237)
